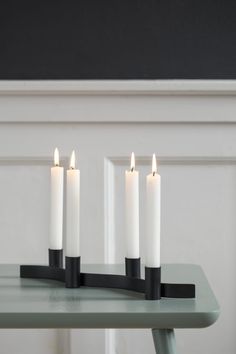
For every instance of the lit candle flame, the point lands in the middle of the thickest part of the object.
(154, 164)
(72, 160)
(56, 157)
(132, 163)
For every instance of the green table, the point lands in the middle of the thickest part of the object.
(31, 303)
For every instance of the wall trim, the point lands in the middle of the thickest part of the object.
(118, 87)
(109, 213)
(176, 160)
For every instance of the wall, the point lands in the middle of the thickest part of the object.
(190, 126)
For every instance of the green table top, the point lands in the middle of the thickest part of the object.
(34, 303)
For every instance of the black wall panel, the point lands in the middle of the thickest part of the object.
(118, 39)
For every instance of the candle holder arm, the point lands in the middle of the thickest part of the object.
(113, 281)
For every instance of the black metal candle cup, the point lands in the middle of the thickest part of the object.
(152, 283)
(132, 267)
(55, 258)
(72, 272)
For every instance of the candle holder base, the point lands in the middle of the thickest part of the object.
(132, 267)
(114, 281)
(55, 258)
(72, 272)
(152, 283)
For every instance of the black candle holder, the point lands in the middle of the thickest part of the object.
(55, 258)
(152, 283)
(133, 267)
(72, 272)
(151, 286)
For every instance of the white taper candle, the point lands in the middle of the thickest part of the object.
(56, 207)
(153, 218)
(132, 210)
(73, 210)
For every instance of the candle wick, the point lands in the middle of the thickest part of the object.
(132, 169)
(153, 173)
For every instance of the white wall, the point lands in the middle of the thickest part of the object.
(191, 127)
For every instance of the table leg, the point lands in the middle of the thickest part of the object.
(164, 341)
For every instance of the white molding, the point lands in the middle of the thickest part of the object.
(109, 163)
(114, 101)
(109, 237)
(110, 341)
(177, 160)
(117, 109)
(118, 87)
(109, 213)
(31, 161)
(63, 341)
